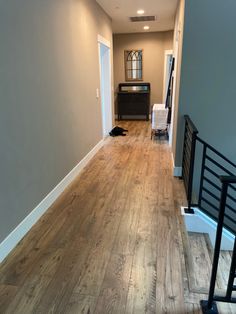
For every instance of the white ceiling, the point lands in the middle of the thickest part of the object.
(121, 10)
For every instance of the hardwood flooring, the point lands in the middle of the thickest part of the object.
(201, 251)
(112, 243)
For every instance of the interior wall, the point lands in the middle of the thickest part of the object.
(208, 90)
(154, 46)
(50, 117)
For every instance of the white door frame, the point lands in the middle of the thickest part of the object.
(167, 53)
(106, 125)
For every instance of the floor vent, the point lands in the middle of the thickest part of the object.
(142, 18)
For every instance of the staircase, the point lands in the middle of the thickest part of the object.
(201, 254)
(210, 179)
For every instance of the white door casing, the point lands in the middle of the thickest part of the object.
(105, 84)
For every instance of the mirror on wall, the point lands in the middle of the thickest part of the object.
(133, 65)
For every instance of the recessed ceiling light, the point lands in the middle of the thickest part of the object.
(140, 11)
(146, 27)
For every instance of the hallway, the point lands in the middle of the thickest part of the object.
(111, 244)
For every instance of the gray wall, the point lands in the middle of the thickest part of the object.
(208, 84)
(49, 116)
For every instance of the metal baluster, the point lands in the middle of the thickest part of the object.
(209, 307)
(202, 175)
(189, 181)
(230, 287)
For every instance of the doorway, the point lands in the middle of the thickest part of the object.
(105, 84)
(167, 71)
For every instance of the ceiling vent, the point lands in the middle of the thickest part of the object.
(142, 18)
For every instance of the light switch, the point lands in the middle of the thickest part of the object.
(97, 93)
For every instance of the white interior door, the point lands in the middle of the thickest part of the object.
(105, 87)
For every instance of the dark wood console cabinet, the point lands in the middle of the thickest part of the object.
(134, 99)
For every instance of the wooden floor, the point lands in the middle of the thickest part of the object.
(112, 243)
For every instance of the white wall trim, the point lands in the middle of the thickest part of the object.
(104, 41)
(177, 171)
(167, 53)
(201, 223)
(20, 231)
(172, 158)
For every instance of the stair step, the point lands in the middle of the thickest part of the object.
(201, 251)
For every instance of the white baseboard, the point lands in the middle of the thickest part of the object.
(20, 231)
(177, 171)
(201, 223)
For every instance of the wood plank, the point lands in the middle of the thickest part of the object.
(192, 308)
(94, 274)
(202, 264)
(115, 285)
(223, 269)
(96, 229)
(147, 281)
(7, 293)
(71, 271)
(80, 304)
(226, 308)
(113, 295)
(114, 242)
(29, 294)
(59, 290)
(170, 279)
(199, 271)
(142, 286)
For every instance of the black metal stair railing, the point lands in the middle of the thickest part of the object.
(209, 306)
(190, 136)
(211, 165)
(214, 165)
(215, 176)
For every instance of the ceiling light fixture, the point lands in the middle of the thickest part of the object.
(140, 11)
(146, 27)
